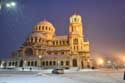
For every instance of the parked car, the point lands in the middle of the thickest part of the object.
(58, 71)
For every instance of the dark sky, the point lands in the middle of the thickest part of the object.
(104, 22)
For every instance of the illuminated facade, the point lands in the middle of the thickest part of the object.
(43, 48)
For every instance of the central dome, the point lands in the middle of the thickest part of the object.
(44, 26)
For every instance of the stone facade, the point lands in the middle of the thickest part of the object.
(43, 48)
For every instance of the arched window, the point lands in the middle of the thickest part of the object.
(42, 27)
(40, 39)
(75, 41)
(35, 63)
(46, 63)
(54, 42)
(75, 19)
(16, 63)
(46, 27)
(50, 63)
(82, 64)
(9, 63)
(74, 63)
(39, 27)
(67, 62)
(35, 39)
(28, 63)
(62, 63)
(21, 63)
(67, 42)
(32, 63)
(60, 42)
(63, 42)
(57, 42)
(43, 63)
(54, 62)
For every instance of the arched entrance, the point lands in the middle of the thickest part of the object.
(29, 52)
(21, 63)
(5, 64)
(82, 64)
(74, 63)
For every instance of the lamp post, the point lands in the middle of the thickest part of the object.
(40, 56)
(100, 62)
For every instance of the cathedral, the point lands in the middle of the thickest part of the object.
(43, 48)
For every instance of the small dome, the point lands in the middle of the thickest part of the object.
(44, 26)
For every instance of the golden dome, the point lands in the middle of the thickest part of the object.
(44, 26)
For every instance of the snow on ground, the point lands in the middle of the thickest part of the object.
(70, 76)
(35, 79)
(99, 76)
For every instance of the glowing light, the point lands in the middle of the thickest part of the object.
(8, 5)
(13, 4)
(100, 62)
(40, 56)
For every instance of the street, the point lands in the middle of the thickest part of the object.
(99, 76)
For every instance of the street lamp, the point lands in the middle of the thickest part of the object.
(40, 56)
(100, 62)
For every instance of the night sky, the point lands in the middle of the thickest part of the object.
(104, 22)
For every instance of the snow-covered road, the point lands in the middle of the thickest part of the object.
(35, 79)
(97, 77)
(100, 76)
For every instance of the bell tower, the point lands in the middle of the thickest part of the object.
(75, 25)
(76, 37)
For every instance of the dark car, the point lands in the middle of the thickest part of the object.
(58, 71)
